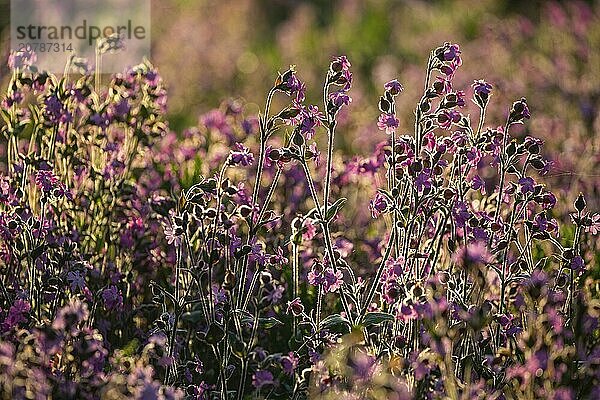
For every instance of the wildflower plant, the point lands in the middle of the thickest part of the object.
(219, 263)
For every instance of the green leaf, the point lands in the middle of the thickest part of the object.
(215, 334)
(192, 316)
(334, 208)
(209, 185)
(376, 318)
(336, 321)
(266, 323)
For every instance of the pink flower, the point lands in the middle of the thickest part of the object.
(310, 230)
(378, 205)
(594, 227)
(315, 154)
(289, 363)
(332, 280)
(388, 122)
(295, 307)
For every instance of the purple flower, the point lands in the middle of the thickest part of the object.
(481, 88)
(481, 92)
(527, 185)
(447, 117)
(422, 182)
(393, 87)
(76, 280)
(406, 312)
(378, 205)
(216, 120)
(16, 314)
(295, 307)
(21, 59)
(340, 67)
(102, 120)
(340, 98)
(563, 393)
(310, 230)
(48, 182)
(113, 299)
(388, 122)
(340, 63)
(296, 88)
(289, 363)
(250, 125)
(460, 213)
(278, 259)
(314, 154)
(451, 52)
(594, 226)
(121, 109)
(55, 111)
(460, 98)
(477, 183)
(241, 156)
(257, 252)
(472, 254)
(442, 85)
(548, 200)
(577, 263)
(262, 378)
(275, 295)
(13, 97)
(332, 280)
(172, 237)
(540, 222)
(473, 156)
(315, 275)
(309, 119)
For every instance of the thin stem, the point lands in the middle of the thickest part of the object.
(173, 336)
(377, 278)
(503, 166)
(319, 306)
(326, 235)
(330, 137)
(295, 283)
(481, 121)
(418, 112)
(255, 192)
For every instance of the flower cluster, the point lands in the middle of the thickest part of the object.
(223, 259)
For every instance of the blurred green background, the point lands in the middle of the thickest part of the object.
(549, 52)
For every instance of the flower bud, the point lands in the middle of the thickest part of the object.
(245, 211)
(580, 203)
(295, 307)
(229, 281)
(298, 139)
(274, 154)
(336, 66)
(384, 105)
